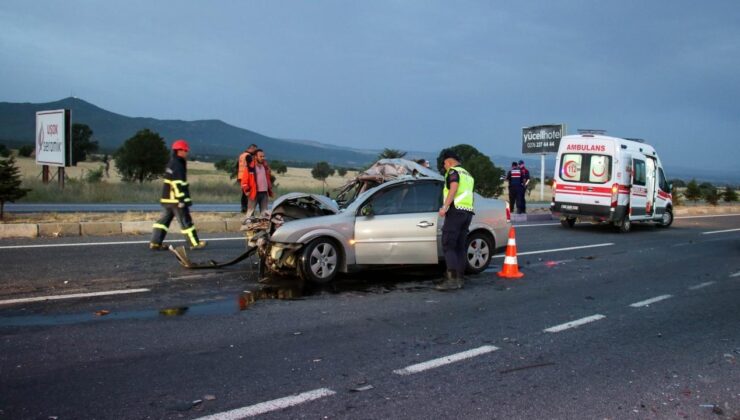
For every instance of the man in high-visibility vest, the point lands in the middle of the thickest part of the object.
(176, 200)
(241, 173)
(457, 210)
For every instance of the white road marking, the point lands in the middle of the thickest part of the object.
(107, 243)
(544, 251)
(72, 296)
(735, 275)
(702, 285)
(573, 324)
(720, 231)
(435, 363)
(534, 225)
(711, 215)
(651, 300)
(268, 406)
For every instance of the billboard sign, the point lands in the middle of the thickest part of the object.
(53, 137)
(542, 138)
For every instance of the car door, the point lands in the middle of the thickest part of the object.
(399, 224)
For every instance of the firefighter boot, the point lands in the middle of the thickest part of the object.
(450, 282)
(200, 245)
(158, 234)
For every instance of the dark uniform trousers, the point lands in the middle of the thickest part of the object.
(186, 224)
(454, 236)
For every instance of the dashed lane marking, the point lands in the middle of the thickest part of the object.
(573, 324)
(544, 251)
(274, 405)
(720, 231)
(435, 363)
(702, 285)
(735, 275)
(106, 243)
(72, 296)
(650, 301)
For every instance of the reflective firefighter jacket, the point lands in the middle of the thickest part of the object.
(464, 196)
(175, 189)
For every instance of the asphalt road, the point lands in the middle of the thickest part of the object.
(659, 337)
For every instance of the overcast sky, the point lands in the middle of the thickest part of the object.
(406, 74)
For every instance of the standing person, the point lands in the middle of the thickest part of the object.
(514, 178)
(244, 160)
(258, 184)
(106, 161)
(457, 209)
(176, 200)
(522, 205)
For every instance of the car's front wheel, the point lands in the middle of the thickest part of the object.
(479, 249)
(320, 261)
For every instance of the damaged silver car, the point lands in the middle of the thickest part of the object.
(386, 216)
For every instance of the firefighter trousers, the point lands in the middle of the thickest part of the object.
(160, 228)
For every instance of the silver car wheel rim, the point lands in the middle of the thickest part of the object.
(323, 260)
(478, 253)
(666, 218)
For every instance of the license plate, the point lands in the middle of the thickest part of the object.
(569, 207)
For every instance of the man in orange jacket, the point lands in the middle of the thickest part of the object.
(244, 160)
(257, 184)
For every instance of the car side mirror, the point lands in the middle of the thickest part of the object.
(367, 210)
(670, 188)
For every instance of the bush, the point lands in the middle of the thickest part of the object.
(95, 175)
(711, 196)
(26, 150)
(729, 195)
(693, 192)
(4, 151)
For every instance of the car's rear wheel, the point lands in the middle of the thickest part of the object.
(667, 218)
(625, 224)
(568, 222)
(320, 261)
(479, 249)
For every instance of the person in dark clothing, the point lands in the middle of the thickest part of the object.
(176, 200)
(514, 178)
(457, 209)
(521, 201)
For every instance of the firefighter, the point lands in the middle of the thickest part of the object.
(514, 178)
(457, 209)
(242, 164)
(176, 200)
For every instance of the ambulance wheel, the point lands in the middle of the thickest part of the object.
(568, 222)
(320, 261)
(479, 249)
(667, 218)
(625, 225)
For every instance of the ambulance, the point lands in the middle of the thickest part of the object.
(612, 180)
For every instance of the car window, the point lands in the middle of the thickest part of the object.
(638, 177)
(388, 201)
(600, 166)
(663, 184)
(570, 169)
(423, 197)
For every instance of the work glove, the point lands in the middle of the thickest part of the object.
(181, 205)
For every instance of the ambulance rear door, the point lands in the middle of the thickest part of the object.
(638, 189)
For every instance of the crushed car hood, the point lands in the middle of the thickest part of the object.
(317, 201)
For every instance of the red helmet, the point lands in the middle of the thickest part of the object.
(180, 145)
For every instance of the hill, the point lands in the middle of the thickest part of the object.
(208, 138)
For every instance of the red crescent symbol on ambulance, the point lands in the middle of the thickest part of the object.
(598, 175)
(570, 168)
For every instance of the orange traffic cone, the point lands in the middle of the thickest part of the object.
(510, 269)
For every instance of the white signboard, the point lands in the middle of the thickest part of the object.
(53, 138)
